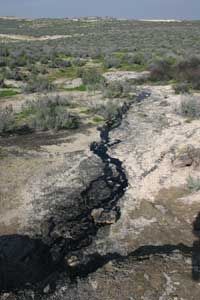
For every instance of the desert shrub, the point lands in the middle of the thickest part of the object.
(63, 63)
(1, 82)
(78, 62)
(184, 66)
(116, 89)
(2, 62)
(38, 84)
(37, 69)
(44, 60)
(59, 63)
(21, 61)
(194, 78)
(137, 58)
(8, 93)
(182, 88)
(190, 107)
(91, 77)
(113, 90)
(160, 70)
(112, 61)
(4, 52)
(193, 183)
(6, 119)
(189, 70)
(107, 111)
(50, 113)
(14, 74)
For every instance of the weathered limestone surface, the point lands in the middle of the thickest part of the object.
(159, 150)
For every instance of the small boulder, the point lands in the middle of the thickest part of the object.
(186, 157)
(47, 289)
(102, 217)
(72, 261)
(96, 214)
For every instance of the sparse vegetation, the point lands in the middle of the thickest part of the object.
(49, 113)
(7, 93)
(106, 111)
(6, 120)
(80, 88)
(122, 45)
(116, 89)
(39, 84)
(193, 184)
(43, 114)
(190, 107)
(91, 78)
(161, 70)
(182, 88)
(98, 119)
(36, 66)
(1, 82)
(185, 72)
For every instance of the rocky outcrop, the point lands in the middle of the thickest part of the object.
(186, 156)
(126, 75)
(157, 208)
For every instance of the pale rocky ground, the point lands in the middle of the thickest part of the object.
(32, 38)
(67, 83)
(159, 150)
(125, 75)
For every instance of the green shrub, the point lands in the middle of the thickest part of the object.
(78, 62)
(136, 58)
(7, 93)
(182, 88)
(39, 84)
(116, 89)
(80, 88)
(112, 61)
(1, 82)
(113, 90)
(98, 119)
(50, 113)
(59, 63)
(189, 70)
(190, 107)
(15, 74)
(37, 69)
(107, 111)
(193, 183)
(160, 70)
(2, 62)
(91, 77)
(6, 120)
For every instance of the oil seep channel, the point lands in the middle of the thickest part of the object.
(92, 263)
(27, 262)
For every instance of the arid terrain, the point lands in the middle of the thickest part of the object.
(99, 160)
